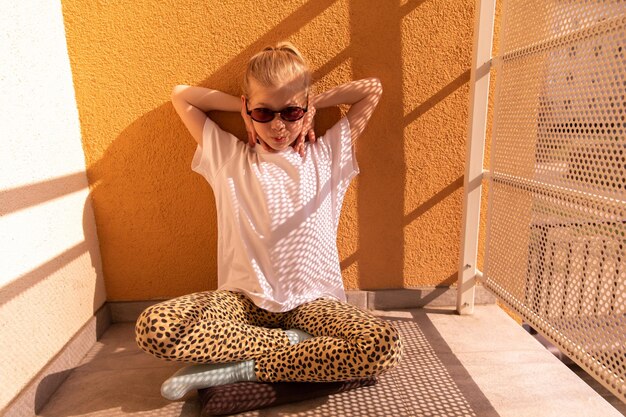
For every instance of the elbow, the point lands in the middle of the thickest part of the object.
(177, 91)
(373, 87)
(377, 86)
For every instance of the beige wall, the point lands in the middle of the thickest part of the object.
(50, 281)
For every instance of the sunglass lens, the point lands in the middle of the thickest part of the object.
(292, 113)
(262, 115)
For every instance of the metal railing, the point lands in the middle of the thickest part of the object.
(556, 231)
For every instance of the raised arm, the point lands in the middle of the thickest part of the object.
(362, 96)
(193, 103)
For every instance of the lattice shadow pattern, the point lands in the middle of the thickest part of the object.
(424, 384)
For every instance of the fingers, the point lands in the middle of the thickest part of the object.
(250, 139)
(299, 145)
(248, 123)
(307, 132)
(311, 130)
(312, 137)
(251, 132)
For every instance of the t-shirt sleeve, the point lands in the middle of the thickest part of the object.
(337, 145)
(217, 148)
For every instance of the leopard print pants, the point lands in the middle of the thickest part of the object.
(224, 326)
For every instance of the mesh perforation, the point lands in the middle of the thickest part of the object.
(556, 249)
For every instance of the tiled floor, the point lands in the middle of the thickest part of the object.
(481, 365)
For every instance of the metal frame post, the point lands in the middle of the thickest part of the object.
(477, 124)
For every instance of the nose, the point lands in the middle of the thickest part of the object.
(277, 123)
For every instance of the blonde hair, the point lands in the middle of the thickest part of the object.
(275, 66)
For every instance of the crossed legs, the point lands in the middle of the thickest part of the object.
(249, 343)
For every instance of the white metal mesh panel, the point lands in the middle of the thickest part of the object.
(556, 243)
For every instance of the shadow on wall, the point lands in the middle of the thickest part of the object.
(24, 197)
(15, 199)
(381, 152)
(157, 219)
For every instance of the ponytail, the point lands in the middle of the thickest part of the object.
(277, 65)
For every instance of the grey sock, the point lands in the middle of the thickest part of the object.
(203, 376)
(297, 336)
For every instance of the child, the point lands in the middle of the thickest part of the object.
(278, 201)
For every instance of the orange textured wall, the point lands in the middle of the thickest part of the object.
(156, 218)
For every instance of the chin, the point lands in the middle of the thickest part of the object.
(282, 148)
(277, 146)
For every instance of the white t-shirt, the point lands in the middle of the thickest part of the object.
(278, 215)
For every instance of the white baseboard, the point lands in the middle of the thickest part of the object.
(128, 311)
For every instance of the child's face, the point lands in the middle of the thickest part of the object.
(279, 134)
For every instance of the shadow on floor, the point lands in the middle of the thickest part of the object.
(117, 379)
(431, 380)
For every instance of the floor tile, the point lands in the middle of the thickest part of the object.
(112, 393)
(483, 365)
